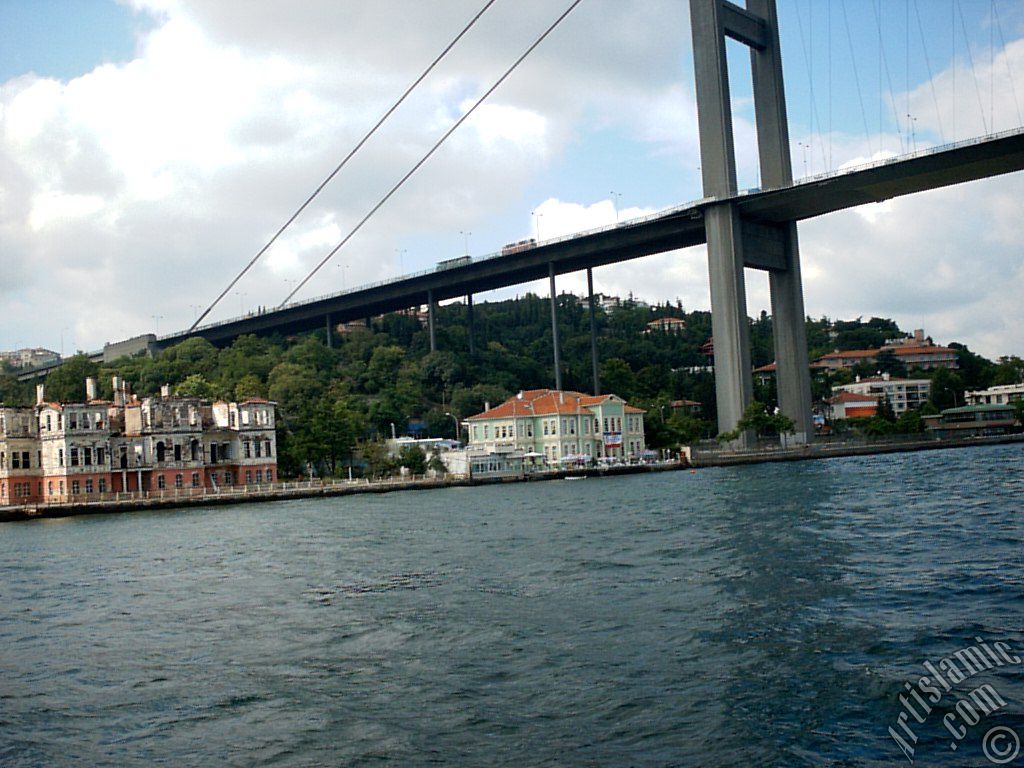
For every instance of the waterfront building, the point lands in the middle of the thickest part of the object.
(59, 452)
(561, 427)
(20, 459)
(852, 405)
(429, 445)
(973, 421)
(998, 395)
(903, 394)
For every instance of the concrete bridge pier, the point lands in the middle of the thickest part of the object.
(329, 331)
(469, 322)
(431, 311)
(770, 247)
(593, 332)
(554, 326)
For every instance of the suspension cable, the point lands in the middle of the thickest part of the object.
(974, 73)
(342, 164)
(1009, 69)
(888, 76)
(433, 149)
(928, 64)
(856, 73)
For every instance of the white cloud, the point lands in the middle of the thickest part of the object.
(139, 189)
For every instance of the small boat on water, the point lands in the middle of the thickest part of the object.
(575, 477)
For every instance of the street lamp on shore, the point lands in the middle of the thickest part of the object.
(458, 427)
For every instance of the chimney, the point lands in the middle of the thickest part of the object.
(165, 391)
(115, 382)
(487, 405)
(40, 393)
(886, 376)
(858, 378)
(90, 389)
(520, 395)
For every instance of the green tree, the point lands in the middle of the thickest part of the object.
(947, 389)
(618, 378)
(195, 385)
(66, 384)
(250, 386)
(413, 458)
(885, 411)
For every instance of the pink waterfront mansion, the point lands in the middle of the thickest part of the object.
(59, 452)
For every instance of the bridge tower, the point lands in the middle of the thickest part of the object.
(733, 240)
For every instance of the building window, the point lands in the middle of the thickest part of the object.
(178, 481)
(270, 475)
(195, 479)
(49, 423)
(545, 428)
(74, 457)
(88, 486)
(248, 477)
(49, 488)
(100, 456)
(103, 485)
(161, 482)
(258, 448)
(267, 450)
(177, 453)
(74, 487)
(597, 425)
(227, 478)
(259, 475)
(87, 456)
(15, 460)
(247, 449)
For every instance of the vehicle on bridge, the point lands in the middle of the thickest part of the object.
(458, 261)
(518, 246)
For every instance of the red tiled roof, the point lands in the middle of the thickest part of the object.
(853, 397)
(848, 354)
(545, 402)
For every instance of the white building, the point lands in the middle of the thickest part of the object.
(1001, 395)
(903, 394)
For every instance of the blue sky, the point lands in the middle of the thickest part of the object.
(149, 148)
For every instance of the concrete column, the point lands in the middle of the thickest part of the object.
(793, 371)
(788, 319)
(733, 386)
(729, 323)
(593, 332)
(554, 326)
(431, 309)
(469, 322)
(330, 333)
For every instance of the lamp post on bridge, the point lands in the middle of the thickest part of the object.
(465, 236)
(536, 224)
(616, 197)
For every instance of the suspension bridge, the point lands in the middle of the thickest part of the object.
(753, 228)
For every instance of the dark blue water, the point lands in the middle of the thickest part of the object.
(752, 616)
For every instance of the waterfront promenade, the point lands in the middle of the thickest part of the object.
(700, 458)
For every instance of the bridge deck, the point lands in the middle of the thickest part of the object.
(677, 227)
